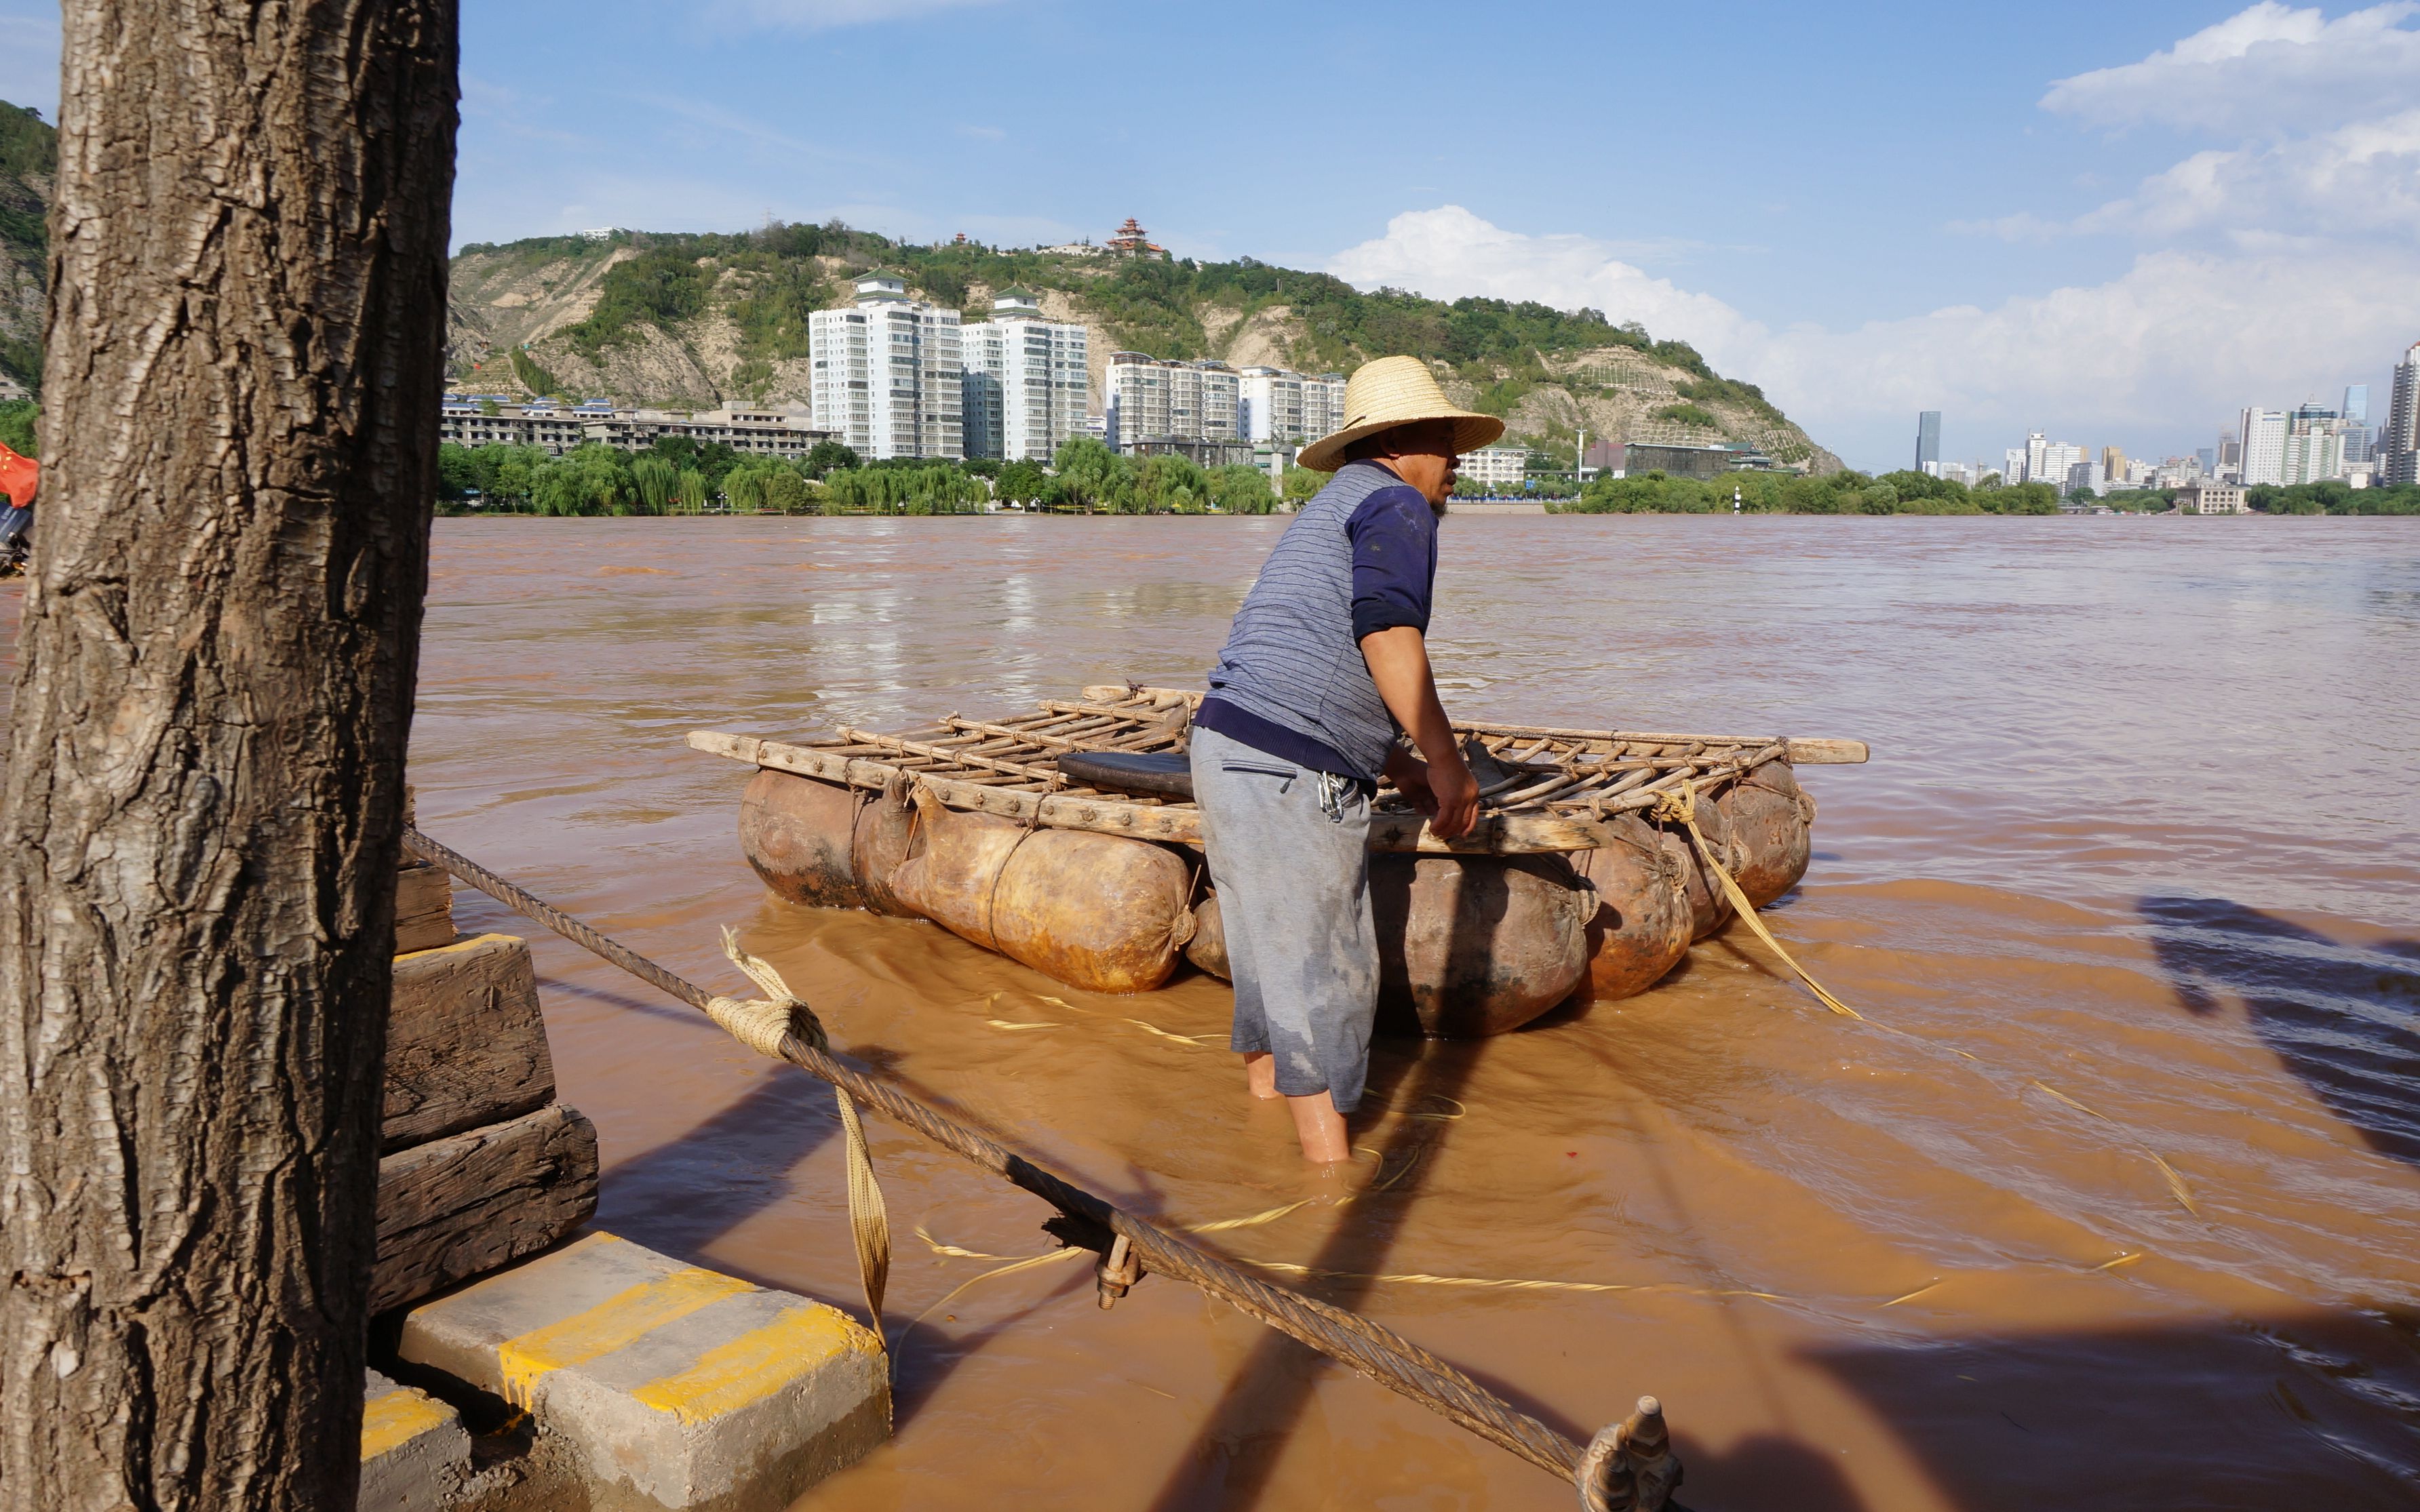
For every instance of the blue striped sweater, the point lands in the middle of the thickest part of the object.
(1359, 558)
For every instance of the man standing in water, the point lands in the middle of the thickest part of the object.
(1326, 667)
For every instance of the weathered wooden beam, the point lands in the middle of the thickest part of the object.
(423, 908)
(476, 1200)
(1805, 752)
(465, 1043)
(1177, 824)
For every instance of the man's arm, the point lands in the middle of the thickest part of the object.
(1399, 664)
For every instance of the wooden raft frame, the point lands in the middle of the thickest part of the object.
(1546, 790)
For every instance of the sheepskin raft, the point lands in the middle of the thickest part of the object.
(1568, 888)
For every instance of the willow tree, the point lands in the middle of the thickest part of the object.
(201, 817)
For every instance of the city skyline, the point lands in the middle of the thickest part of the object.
(2314, 440)
(2129, 216)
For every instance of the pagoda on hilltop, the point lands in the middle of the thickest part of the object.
(1130, 241)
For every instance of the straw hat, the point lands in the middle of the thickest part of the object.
(1390, 392)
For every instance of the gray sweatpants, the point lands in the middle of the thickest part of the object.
(1288, 853)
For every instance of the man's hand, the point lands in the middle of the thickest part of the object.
(1399, 664)
(1450, 797)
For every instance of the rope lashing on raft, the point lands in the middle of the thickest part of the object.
(1609, 1484)
(1681, 808)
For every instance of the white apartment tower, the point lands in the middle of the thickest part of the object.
(886, 374)
(2402, 441)
(1279, 405)
(1151, 398)
(1025, 384)
(2261, 434)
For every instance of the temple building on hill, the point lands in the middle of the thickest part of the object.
(1130, 243)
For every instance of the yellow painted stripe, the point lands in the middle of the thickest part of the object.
(396, 1419)
(755, 1364)
(616, 1323)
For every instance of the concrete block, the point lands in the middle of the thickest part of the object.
(416, 1453)
(465, 1042)
(681, 1390)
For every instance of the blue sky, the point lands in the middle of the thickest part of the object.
(2116, 222)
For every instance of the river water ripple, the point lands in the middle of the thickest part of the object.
(2131, 879)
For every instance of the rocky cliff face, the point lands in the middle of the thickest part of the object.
(28, 158)
(544, 293)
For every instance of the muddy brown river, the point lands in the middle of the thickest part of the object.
(2115, 1202)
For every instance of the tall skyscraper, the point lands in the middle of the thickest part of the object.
(1927, 442)
(1025, 384)
(886, 374)
(2356, 403)
(2402, 447)
(2261, 434)
(2113, 463)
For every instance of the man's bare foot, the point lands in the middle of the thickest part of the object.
(1320, 1128)
(1261, 1075)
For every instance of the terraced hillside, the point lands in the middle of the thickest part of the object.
(702, 319)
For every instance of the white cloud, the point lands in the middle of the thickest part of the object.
(2179, 338)
(1449, 248)
(2356, 180)
(818, 15)
(2263, 70)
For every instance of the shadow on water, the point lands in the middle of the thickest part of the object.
(686, 1193)
(1243, 1437)
(2312, 1409)
(2344, 1018)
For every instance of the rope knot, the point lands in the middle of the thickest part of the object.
(762, 1023)
(1678, 805)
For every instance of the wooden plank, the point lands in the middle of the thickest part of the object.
(473, 1201)
(1808, 751)
(423, 908)
(465, 1045)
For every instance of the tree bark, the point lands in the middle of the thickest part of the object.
(201, 819)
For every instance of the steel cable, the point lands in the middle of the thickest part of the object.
(1369, 1349)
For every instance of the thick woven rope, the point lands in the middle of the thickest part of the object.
(760, 1023)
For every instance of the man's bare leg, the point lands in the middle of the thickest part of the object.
(1320, 1128)
(1260, 1074)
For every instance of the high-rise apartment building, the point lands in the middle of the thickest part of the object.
(2260, 437)
(2315, 449)
(1275, 405)
(1025, 384)
(1927, 442)
(885, 375)
(1156, 399)
(2401, 463)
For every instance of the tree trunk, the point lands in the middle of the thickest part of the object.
(200, 825)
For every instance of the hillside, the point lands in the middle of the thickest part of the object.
(696, 320)
(28, 159)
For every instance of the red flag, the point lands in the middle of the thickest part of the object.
(19, 477)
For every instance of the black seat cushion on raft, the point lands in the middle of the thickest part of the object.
(1165, 774)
